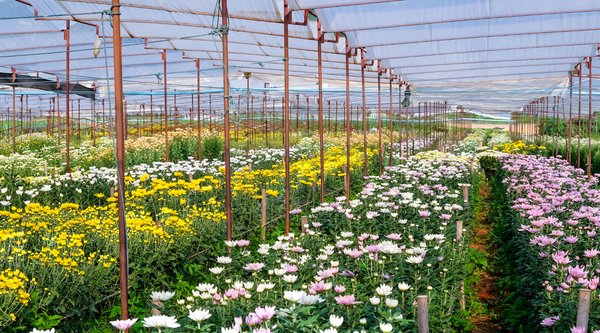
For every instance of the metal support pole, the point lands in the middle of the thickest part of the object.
(224, 22)
(579, 121)
(286, 135)
(400, 116)
(379, 116)
(198, 92)
(164, 58)
(118, 77)
(364, 113)
(21, 117)
(348, 122)
(68, 54)
(391, 122)
(322, 153)
(589, 157)
(14, 121)
(79, 116)
(335, 124)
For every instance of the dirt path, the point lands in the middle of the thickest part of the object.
(486, 287)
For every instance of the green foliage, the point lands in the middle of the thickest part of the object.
(213, 147)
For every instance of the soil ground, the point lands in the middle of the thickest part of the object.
(486, 288)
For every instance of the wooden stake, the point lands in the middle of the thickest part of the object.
(304, 225)
(466, 193)
(583, 309)
(459, 228)
(264, 214)
(423, 314)
(156, 312)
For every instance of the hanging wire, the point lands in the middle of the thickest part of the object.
(121, 192)
(45, 16)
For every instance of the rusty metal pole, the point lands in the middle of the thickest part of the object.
(164, 58)
(589, 157)
(569, 145)
(307, 118)
(21, 117)
(93, 122)
(348, 167)
(555, 127)
(224, 36)
(286, 135)
(68, 54)
(247, 75)
(546, 130)
(198, 92)
(57, 104)
(335, 123)
(320, 73)
(401, 154)
(379, 116)
(391, 121)
(79, 116)
(14, 121)
(579, 122)
(118, 77)
(364, 112)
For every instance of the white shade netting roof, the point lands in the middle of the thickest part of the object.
(493, 57)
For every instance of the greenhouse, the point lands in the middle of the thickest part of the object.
(307, 166)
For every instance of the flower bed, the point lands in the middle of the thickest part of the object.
(357, 266)
(60, 233)
(551, 231)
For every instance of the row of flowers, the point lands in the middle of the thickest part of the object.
(358, 265)
(67, 245)
(554, 219)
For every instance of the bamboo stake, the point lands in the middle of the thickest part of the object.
(423, 314)
(583, 309)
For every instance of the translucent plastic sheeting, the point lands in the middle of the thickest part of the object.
(531, 64)
(264, 10)
(543, 53)
(559, 41)
(312, 4)
(244, 38)
(406, 13)
(501, 96)
(155, 14)
(525, 25)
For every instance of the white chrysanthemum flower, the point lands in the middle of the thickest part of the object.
(403, 286)
(336, 321)
(384, 290)
(161, 295)
(161, 321)
(199, 315)
(414, 259)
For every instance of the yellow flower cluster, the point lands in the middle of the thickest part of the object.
(13, 282)
(517, 148)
